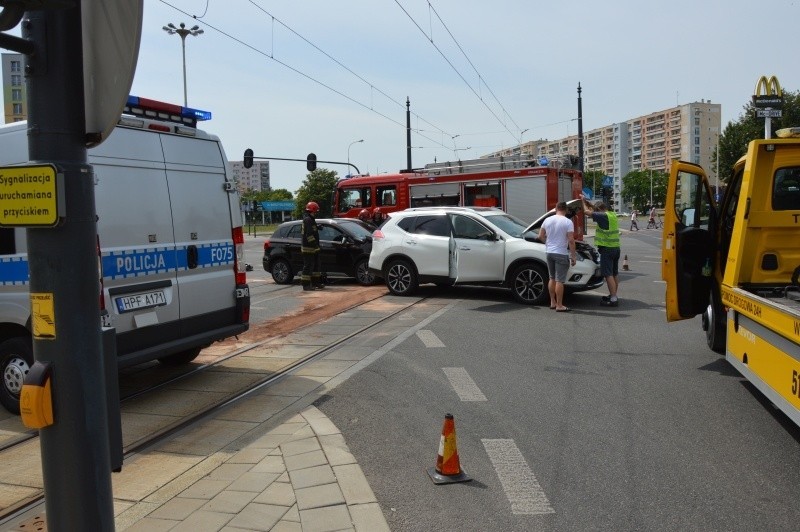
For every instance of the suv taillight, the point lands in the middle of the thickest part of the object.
(377, 234)
(266, 244)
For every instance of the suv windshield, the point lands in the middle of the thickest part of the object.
(509, 224)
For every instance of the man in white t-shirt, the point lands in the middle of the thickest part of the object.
(558, 234)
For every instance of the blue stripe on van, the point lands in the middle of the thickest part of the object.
(14, 270)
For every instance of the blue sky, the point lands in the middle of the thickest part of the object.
(525, 60)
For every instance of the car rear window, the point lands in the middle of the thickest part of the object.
(294, 231)
(357, 229)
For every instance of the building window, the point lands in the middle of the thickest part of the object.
(16, 94)
(16, 66)
(697, 150)
(16, 80)
(17, 109)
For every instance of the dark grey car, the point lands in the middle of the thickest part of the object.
(345, 244)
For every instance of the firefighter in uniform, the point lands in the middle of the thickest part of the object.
(311, 276)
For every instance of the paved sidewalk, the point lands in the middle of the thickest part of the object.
(298, 476)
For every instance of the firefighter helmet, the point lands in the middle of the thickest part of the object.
(312, 207)
(363, 215)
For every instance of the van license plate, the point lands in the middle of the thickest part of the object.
(139, 301)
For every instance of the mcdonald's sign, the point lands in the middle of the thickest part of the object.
(768, 93)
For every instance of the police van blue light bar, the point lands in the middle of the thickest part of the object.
(156, 110)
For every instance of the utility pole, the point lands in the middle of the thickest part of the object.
(580, 129)
(408, 134)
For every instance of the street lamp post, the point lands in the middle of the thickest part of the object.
(183, 32)
(348, 149)
(651, 188)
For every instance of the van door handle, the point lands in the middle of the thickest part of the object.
(191, 257)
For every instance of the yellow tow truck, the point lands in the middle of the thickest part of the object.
(737, 264)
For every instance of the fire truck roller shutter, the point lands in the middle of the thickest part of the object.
(526, 198)
(436, 194)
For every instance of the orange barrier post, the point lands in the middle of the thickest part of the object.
(625, 266)
(448, 469)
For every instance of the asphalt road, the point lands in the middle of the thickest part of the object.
(597, 419)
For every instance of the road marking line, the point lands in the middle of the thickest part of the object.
(522, 489)
(429, 338)
(463, 384)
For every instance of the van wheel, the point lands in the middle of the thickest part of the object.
(529, 284)
(16, 359)
(401, 278)
(362, 273)
(282, 272)
(183, 357)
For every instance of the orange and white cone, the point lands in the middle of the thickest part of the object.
(448, 469)
(625, 266)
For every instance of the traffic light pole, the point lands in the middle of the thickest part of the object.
(63, 266)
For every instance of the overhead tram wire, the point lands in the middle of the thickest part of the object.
(311, 78)
(480, 77)
(430, 39)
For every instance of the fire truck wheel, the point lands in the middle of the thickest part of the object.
(529, 284)
(363, 276)
(16, 358)
(282, 272)
(401, 277)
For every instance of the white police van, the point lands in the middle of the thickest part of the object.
(170, 237)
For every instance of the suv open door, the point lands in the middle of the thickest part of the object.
(688, 246)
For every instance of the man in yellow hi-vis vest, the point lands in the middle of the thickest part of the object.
(606, 239)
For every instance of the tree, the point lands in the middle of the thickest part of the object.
(738, 134)
(318, 186)
(279, 194)
(593, 179)
(636, 188)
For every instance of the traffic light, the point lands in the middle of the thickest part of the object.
(256, 206)
(248, 158)
(311, 162)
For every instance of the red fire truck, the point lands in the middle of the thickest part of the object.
(518, 184)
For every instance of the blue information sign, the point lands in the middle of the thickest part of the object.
(272, 206)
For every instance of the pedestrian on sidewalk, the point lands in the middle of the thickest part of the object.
(311, 276)
(607, 241)
(558, 234)
(634, 225)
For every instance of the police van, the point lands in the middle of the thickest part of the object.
(170, 243)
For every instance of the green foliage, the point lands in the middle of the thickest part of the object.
(636, 188)
(279, 194)
(738, 134)
(318, 186)
(593, 179)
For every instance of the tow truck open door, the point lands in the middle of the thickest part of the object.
(687, 246)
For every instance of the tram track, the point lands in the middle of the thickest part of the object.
(225, 369)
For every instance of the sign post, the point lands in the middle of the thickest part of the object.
(768, 101)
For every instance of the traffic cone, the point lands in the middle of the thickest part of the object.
(448, 469)
(625, 264)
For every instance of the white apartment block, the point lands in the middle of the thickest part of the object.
(15, 94)
(688, 132)
(255, 178)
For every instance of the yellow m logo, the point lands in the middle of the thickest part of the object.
(770, 87)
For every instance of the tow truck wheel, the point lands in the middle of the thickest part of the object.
(714, 326)
(282, 272)
(529, 284)
(16, 358)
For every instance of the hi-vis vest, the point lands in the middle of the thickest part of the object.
(608, 238)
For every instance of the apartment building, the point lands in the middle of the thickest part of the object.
(15, 96)
(689, 132)
(255, 178)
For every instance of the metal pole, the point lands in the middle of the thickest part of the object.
(651, 188)
(63, 266)
(580, 129)
(408, 134)
(183, 49)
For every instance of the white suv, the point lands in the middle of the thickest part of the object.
(472, 245)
